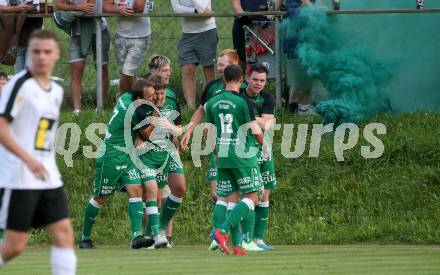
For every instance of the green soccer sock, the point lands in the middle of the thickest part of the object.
(236, 238)
(147, 229)
(219, 214)
(261, 219)
(247, 225)
(90, 214)
(169, 210)
(241, 210)
(153, 217)
(135, 213)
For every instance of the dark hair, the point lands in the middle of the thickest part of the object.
(232, 73)
(138, 87)
(259, 68)
(157, 81)
(43, 34)
(3, 75)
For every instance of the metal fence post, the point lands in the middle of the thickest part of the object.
(99, 95)
(279, 79)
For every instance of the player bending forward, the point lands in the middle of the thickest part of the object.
(232, 118)
(31, 191)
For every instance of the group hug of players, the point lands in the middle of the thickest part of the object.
(240, 115)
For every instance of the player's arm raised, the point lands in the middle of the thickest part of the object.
(9, 143)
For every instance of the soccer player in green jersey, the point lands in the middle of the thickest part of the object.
(162, 157)
(225, 58)
(233, 131)
(115, 170)
(161, 65)
(264, 108)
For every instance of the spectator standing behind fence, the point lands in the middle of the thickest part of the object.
(83, 40)
(198, 44)
(300, 84)
(30, 24)
(238, 38)
(132, 38)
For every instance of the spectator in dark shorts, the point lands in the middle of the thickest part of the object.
(198, 45)
(30, 24)
(77, 57)
(131, 40)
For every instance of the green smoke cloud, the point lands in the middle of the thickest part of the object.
(369, 63)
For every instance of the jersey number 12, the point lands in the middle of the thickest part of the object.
(226, 123)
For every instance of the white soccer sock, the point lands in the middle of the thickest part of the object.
(263, 204)
(134, 199)
(223, 203)
(231, 205)
(93, 202)
(175, 199)
(2, 262)
(152, 210)
(249, 203)
(63, 261)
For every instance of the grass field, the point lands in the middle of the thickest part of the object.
(353, 259)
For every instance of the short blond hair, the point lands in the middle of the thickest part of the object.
(157, 62)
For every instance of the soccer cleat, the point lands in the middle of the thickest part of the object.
(160, 240)
(139, 242)
(251, 246)
(221, 240)
(213, 246)
(150, 242)
(86, 244)
(263, 245)
(238, 250)
(170, 242)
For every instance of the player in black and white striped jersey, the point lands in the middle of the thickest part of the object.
(31, 190)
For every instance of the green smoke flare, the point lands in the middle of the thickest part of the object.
(368, 63)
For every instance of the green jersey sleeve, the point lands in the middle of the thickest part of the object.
(208, 115)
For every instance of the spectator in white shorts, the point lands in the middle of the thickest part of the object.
(132, 38)
(198, 44)
(77, 56)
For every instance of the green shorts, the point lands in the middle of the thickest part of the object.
(212, 172)
(110, 177)
(230, 180)
(267, 170)
(150, 172)
(162, 180)
(173, 167)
